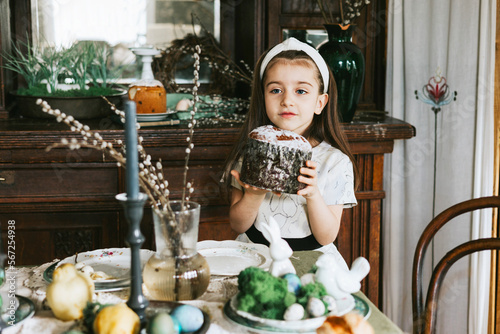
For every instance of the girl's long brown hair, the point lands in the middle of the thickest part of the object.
(324, 127)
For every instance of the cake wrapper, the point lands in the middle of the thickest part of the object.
(272, 167)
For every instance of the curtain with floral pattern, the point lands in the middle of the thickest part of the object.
(458, 38)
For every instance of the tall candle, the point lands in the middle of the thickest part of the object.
(132, 166)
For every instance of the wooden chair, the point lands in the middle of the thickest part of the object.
(424, 320)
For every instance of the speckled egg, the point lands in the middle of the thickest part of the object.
(293, 282)
(162, 323)
(315, 307)
(294, 312)
(190, 318)
(331, 304)
(307, 278)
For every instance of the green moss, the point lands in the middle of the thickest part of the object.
(316, 290)
(262, 294)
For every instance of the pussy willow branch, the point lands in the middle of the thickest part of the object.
(322, 6)
(322, 10)
(341, 12)
(188, 186)
(349, 11)
(150, 178)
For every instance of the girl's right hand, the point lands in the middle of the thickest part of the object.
(248, 188)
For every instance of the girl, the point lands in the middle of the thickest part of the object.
(290, 90)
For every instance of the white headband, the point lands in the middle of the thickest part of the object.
(294, 44)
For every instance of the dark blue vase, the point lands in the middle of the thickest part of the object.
(348, 67)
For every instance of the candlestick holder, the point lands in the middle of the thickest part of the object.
(146, 55)
(134, 208)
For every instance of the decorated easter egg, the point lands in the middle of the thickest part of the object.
(294, 312)
(162, 323)
(315, 307)
(190, 318)
(293, 282)
(331, 304)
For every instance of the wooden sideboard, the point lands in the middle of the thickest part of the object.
(63, 201)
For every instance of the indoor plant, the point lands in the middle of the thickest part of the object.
(345, 59)
(73, 79)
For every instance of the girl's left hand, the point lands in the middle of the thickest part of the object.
(309, 177)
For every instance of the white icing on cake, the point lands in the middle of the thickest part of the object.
(146, 83)
(280, 137)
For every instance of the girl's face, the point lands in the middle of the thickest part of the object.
(291, 93)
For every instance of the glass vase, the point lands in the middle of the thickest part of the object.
(347, 63)
(176, 271)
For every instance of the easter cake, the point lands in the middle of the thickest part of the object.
(149, 95)
(273, 158)
(351, 323)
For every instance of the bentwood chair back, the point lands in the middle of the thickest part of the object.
(424, 319)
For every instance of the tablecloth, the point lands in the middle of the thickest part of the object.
(30, 283)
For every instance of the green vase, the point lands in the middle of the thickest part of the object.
(347, 64)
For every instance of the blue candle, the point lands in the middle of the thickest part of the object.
(132, 167)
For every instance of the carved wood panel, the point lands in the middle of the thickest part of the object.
(46, 232)
(72, 242)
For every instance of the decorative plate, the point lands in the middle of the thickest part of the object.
(154, 117)
(229, 257)
(25, 310)
(156, 306)
(262, 325)
(114, 262)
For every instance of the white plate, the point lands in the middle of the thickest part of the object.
(229, 257)
(153, 117)
(114, 262)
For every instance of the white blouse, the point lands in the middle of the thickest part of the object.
(335, 183)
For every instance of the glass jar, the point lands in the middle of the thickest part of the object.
(176, 271)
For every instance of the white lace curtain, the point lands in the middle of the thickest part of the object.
(459, 38)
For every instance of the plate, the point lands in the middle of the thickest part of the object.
(229, 257)
(115, 262)
(24, 311)
(262, 325)
(154, 117)
(156, 306)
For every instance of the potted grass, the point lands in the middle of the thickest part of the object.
(73, 79)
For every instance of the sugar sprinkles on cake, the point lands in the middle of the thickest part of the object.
(277, 136)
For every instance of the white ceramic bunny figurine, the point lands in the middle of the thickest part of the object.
(340, 283)
(280, 250)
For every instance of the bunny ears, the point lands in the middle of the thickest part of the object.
(271, 231)
(294, 44)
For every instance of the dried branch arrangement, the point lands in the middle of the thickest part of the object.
(349, 11)
(224, 72)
